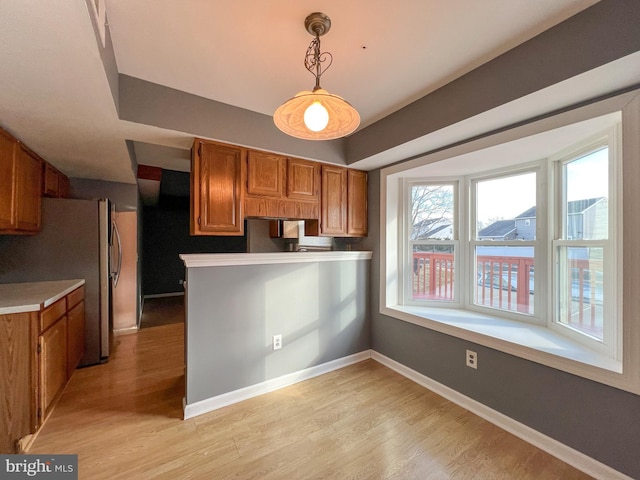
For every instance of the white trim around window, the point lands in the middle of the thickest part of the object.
(618, 367)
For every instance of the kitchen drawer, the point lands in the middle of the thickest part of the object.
(75, 297)
(52, 313)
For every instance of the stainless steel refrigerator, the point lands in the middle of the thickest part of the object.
(78, 239)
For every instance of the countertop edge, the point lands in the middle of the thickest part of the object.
(238, 259)
(63, 293)
(40, 301)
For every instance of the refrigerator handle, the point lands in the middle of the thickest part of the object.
(116, 274)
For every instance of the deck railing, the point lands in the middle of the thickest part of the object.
(507, 283)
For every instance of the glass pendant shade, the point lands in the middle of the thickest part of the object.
(290, 117)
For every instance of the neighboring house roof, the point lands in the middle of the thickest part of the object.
(499, 229)
(578, 206)
(574, 206)
(531, 213)
(437, 229)
(429, 228)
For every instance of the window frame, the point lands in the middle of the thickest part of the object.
(537, 244)
(611, 344)
(406, 205)
(536, 343)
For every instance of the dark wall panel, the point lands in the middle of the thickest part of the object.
(165, 236)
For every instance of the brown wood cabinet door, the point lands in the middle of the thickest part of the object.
(17, 415)
(75, 337)
(64, 186)
(8, 147)
(333, 202)
(303, 179)
(53, 363)
(28, 184)
(216, 189)
(50, 180)
(265, 174)
(357, 203)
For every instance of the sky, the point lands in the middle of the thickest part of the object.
(505, 198)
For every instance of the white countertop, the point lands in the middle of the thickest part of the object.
(229, 259)
(33, 296)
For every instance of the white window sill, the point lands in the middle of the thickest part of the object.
(532, 342)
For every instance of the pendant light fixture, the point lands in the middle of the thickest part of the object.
(317, 114)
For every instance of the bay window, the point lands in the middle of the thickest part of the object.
(517, 244)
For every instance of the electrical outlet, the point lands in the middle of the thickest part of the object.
(472, 359)
(277, 342)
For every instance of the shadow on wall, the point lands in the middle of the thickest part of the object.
(319, 308)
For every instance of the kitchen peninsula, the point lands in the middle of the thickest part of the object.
(237, 305)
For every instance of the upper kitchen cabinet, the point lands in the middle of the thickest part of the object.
(303, 180)
(217, 173)
(357, 203)
(231, 183)
(333, 203)
(281, 187)
(21, 174)
(266, 173)
(8, 147)
(54, 182)
(29, 174)
(343, 204)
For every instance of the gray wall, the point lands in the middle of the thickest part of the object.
(124, 195)
(319, 308)
(599, 421)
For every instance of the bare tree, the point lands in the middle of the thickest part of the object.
(430, 205)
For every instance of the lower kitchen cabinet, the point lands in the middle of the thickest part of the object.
(38, 354)
(75, 337)
(52, 350)
(18, 366)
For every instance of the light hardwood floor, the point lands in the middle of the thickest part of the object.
(124, 420)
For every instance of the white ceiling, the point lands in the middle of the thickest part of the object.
(248, 53)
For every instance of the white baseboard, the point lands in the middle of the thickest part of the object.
(553, 447)
(219, 401)
(161, 295)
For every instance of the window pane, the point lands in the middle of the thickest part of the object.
(505, 278)
(433, 272)
(581, 289)
(432, 212)
(506, 208)
(586, 207)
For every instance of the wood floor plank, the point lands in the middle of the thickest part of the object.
(124, 420)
